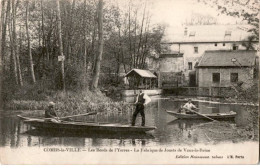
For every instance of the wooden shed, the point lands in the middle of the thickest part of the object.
(141, 79)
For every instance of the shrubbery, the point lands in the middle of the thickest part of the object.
(77, 99)
(69, 103)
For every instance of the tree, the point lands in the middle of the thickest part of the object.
(100, 46)
(15, 43)
(1, 60)
(79, 30)
(29, 43)
(13, 62)
(60, 44)
(248, 43)
(200, 19)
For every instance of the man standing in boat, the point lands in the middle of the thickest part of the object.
(50, 112)
(189, 107)
(141, 101)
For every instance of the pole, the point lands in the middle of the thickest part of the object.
(199, 114)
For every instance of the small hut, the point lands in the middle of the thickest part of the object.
(141, 79)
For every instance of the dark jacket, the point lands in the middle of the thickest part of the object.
(50, 113)
(141, 99)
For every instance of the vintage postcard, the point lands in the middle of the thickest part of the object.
(129, 82)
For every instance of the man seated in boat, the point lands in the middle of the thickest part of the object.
(50, 113)
(188, 107)
(141, 100)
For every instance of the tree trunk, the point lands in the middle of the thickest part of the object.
(2, 11)
(93, 45)
(129, 38)
(85, 45)
(121, 50)
(15, 44)
(44, 47)
(70, 29)
(60, 44)
(1, 65)
(138, 56)
(3, 33)
(29, 43)
(100, 46)
(135, 38)
(13, 65)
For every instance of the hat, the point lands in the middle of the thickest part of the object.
(51, 103)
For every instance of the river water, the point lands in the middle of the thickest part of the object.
(170, 131)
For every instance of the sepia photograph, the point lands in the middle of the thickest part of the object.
(129, 82)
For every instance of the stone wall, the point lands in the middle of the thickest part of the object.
(170, 79)
(203, 91)
(245, 75)
(171, 64)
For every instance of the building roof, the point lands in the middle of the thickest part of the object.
(228, 58)
(207, 33)
(142, 73)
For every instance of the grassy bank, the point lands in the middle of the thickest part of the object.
(69, 103)
(223, 131)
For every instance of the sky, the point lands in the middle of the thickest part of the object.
(174, 12)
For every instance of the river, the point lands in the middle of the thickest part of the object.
(14, 133)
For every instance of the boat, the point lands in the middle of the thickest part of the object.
(103, 135)
(229, 115)
(41, 123)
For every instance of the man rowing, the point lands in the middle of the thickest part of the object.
(141, 101)
(189, 107)
(50, 113)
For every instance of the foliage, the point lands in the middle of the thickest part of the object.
(128, 39)
(68, 103)
(247, 10)
(200, 19)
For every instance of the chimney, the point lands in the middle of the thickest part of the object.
(185, 31)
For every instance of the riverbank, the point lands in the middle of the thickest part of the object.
(214, 100)
(215, 132)
(68, 103)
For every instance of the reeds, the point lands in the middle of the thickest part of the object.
(68, 103)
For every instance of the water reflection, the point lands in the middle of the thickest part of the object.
(170, 131)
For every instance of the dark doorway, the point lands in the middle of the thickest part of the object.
(192, 80)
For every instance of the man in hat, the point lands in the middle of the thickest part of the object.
(50, 112)
(141, 101)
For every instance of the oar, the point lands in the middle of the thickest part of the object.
(92, 113)
(199, 114)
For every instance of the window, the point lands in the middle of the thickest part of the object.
(235, 47)
(224, 44)
(228, 33)
(190, 65)
(234, 77)
(216, 77)
(216, 44)
(192, 34)
(196, 49)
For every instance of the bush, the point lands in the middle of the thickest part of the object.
(70, 103)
